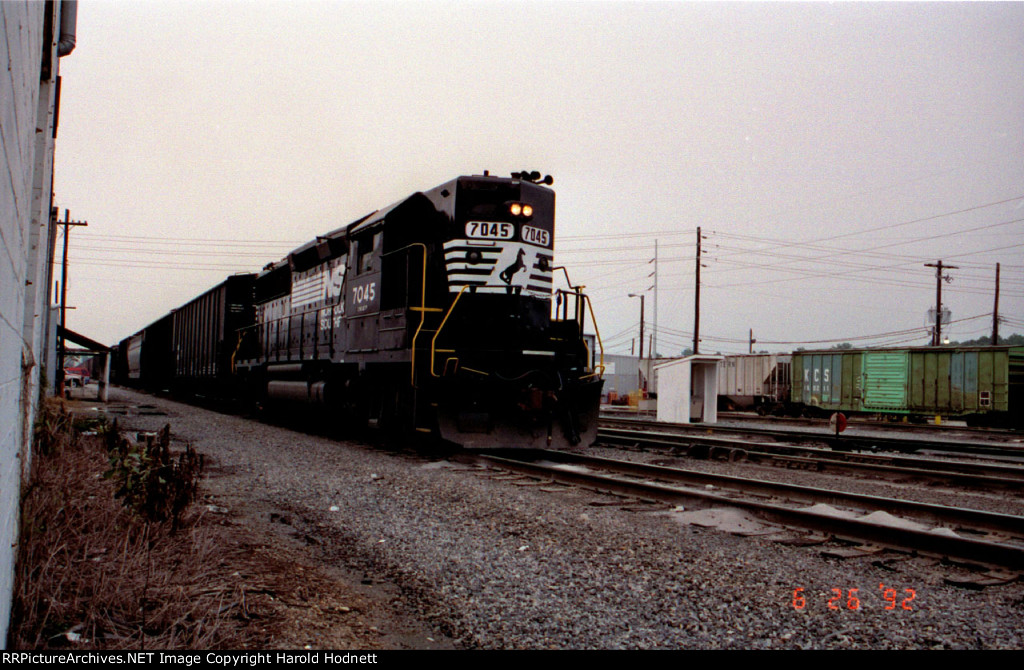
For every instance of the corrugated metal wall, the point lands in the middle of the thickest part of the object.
(623, 373)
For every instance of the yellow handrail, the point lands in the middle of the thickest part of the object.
(241, 336)
(433, 342)
(422, 308)
(597, 331)
(568, 281)
(599, 369)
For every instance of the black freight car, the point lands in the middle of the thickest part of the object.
(208, 337)
(143, 360)
(193, 349)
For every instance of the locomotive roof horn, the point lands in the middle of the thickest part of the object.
(533, 177)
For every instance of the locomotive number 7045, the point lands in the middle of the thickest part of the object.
(490, 230)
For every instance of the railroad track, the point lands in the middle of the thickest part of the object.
(981, 475)
(898, 426)
(976, 432)
(846, 442)
(964, 535)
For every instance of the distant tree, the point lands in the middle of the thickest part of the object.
(844, 345)
(687, 352)
(1013, 340)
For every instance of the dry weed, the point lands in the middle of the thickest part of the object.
(93, 573)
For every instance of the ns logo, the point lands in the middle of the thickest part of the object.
(334, 281)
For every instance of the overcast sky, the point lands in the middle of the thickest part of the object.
(827, 151)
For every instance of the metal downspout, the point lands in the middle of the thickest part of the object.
(68, 25)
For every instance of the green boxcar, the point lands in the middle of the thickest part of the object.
(828, 380)
(962, 381)
(971, 382)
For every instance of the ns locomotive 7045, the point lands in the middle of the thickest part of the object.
(437, 315)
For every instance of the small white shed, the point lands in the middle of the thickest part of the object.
(688, 389)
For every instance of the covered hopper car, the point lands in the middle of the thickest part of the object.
(758, 382)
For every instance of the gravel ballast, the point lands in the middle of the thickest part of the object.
(499, 566)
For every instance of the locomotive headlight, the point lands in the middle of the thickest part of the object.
(520, 209)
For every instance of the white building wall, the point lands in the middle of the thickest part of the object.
(26, 150)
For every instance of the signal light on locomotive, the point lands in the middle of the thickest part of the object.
(515, 208)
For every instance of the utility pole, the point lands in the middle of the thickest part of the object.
(995, 312)
(752, 340)
(640, 374)
(937, 334)
(696, 302)
(654, 342)
(67, 223)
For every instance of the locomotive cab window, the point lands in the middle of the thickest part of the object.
(368, 250)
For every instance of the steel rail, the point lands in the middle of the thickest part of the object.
(977, 474)
(756, 492)
(979, 431)
(845, 442)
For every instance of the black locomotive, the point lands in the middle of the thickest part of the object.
(437, 315)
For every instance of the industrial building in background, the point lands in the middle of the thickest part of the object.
(34, 36)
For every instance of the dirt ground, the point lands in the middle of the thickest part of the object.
(281, 593)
